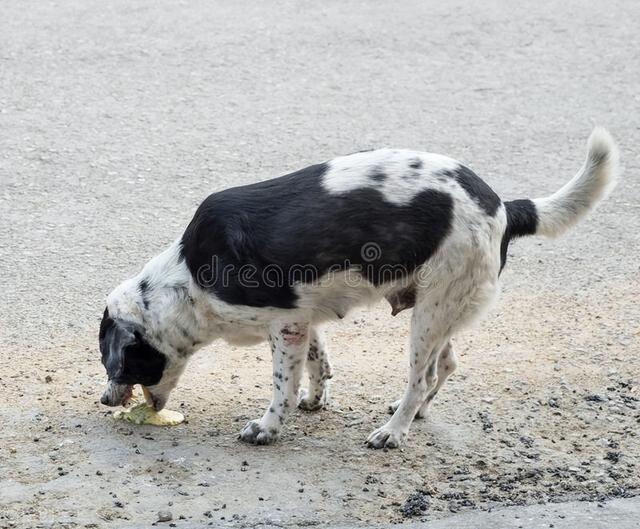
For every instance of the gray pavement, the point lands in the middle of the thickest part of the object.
(117, 118)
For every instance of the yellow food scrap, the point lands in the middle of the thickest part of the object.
(144, 414)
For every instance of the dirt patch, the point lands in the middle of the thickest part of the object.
(513, 426)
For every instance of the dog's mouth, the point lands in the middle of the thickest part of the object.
(117, 394)
(126, 399)
(122, 395)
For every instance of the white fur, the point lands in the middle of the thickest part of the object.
(351, 172)
(593, 182)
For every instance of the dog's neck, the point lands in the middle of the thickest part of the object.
(176, 316)
(161, 300)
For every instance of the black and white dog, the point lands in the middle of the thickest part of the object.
(274, 260)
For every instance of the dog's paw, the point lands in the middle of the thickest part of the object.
(420, 414)
(385, 437)
(254, 433)
(307, 402)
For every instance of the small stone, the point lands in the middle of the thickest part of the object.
(485, 418)
(614, 457)
(164, 516)
(415, 505)
(624, 339)
(527, 441)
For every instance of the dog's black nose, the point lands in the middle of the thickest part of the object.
(104, 400)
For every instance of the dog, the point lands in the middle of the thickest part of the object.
(272, 261)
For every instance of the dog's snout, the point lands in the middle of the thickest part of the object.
(105, 400)
(116, 394)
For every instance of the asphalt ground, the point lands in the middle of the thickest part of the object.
(118, 118)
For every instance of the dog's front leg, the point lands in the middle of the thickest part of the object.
(319, 369)
(289, 346)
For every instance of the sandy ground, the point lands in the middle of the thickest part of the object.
(117, 119)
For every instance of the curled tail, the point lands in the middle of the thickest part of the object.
(553, 215)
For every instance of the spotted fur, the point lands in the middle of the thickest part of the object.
(272, 261)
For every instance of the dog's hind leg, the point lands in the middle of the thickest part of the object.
(319, 370)
(441, 309)
(447, 363)
(430, 331)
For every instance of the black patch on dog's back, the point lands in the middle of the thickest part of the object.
(245, 243)
(476, 188)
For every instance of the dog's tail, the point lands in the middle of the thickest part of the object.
(553, 215)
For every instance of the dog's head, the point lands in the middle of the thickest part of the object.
(129, 359)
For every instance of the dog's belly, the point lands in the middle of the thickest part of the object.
(244, 336)
(334, 295)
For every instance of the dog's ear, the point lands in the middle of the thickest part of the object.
(114, 338)
(143, 363)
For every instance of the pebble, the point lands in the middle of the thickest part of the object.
(485, 418)
(164, 516)
(415, 505)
